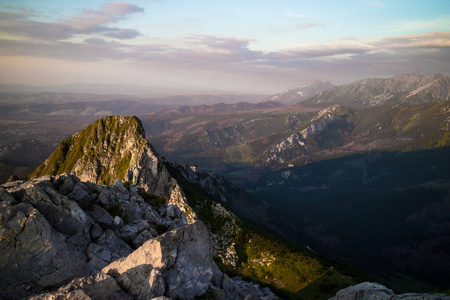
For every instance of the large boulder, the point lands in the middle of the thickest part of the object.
(175, 265)
(376, 291)
(56, 228)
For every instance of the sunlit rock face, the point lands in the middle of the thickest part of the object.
(115, 148)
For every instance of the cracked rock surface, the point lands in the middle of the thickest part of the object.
(56, 228)
(61, 238)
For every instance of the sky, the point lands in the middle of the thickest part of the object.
(246, 46)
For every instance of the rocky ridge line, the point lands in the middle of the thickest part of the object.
(115, 148)
(408, 89)
(57, 229)
(372, 291)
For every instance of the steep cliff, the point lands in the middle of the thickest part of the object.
(115, 148)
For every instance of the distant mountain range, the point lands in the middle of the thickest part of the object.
(287, 136)
(301, 92)
(406, 89)
(221, 108)
(85, 104)
(105, 89)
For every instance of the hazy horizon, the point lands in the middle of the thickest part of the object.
(253, 47)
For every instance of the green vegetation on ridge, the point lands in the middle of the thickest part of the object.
(107, 139)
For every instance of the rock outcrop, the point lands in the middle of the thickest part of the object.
(55, 228)
(372, 291)
(115, 148)
(98, 242)
(297, 143)
(176, 265)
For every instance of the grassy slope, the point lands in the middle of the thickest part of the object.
(106, 134)
(291, 271)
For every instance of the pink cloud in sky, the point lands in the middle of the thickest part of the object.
(310, 25)
(95, 37)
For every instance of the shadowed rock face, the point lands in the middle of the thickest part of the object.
(56, 228)
(98, 242)
(369, 290)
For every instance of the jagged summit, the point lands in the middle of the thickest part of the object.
(101, 152)
(114, 148)
(302, 92)
(407, 89)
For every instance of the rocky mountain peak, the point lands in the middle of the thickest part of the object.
(115, 148)
(101, 152)
(407, 89)
(302, 92)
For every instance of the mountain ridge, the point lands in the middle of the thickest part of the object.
(195, 195)
(302, 92)
(401, 89)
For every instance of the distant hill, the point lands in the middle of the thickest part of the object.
(222, 108)
(280, 138)
(302, 92)
(406, 89)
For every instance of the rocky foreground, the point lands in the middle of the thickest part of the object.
(61, 238)
(376, 291)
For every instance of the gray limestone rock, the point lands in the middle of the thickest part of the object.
(96, 287)
(130, 211)
(115, 245)
(376, 291)
(141, 238)
(81, 195)
(177, 264)
(47, 237)
(98, 256)
(96, 231)
(106, 198)
(101, 216)
(117, 223)
(128, 232)
(150, 214)
(36, 253)
(120, 191)
(68, 185)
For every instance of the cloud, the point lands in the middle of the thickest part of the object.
(87, 22)
(93, 37)
(122, 34)
(424, 40)
(38, 30)
(310, 25)
(120, 9)
(216, 50)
